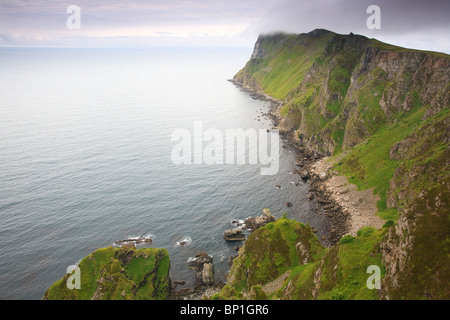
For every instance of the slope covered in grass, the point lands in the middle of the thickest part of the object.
(123, 273)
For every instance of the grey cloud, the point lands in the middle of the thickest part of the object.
(398, 16)
(417, 23)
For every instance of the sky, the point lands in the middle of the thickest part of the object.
(216, 23)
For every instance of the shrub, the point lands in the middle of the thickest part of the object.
(347, 239)
(388, 223)
(365, 231)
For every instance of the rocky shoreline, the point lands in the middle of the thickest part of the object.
(329, 190)
(338, 216)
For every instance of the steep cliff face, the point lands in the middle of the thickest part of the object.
(345, 87)
(383, 113)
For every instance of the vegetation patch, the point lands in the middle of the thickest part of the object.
(118, 274)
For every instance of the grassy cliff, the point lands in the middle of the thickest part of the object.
(285, 260)
(382, 113)
(124, 273)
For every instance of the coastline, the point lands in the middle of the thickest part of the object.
(336, 198)
(347, 209)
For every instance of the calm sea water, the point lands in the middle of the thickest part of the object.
(85, 159)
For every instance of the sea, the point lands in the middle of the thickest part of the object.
(86, 143)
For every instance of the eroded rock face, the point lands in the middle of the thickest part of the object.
(208, 274)
(203, 265)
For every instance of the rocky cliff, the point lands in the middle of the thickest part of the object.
(381, 112)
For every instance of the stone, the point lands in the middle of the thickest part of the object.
(323, 175)
(304, 174)
(208, 274)
(234, 235)
(200, 259)
(259, 221)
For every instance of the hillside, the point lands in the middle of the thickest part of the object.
(124, 273)
(381, 113)
(285, 260)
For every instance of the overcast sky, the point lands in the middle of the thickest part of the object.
(234, 23)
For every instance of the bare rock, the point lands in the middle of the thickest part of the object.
(200, 259)
(304, 174)
(208, 274)
(259, 221)
(234, 235)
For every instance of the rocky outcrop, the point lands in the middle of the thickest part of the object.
(234, 235)
(284, 260)
(254, 223)
(133, 241)
(203, 265)
(272, 250)
(124, 273)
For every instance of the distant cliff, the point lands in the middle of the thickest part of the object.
(382, 113)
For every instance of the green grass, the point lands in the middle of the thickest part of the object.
(348, 280)
(389, 47)
(273, 250)
(283, 70)
(263, 261)
(368, 165)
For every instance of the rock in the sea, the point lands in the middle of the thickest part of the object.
(234, 235)
(204, 268)
(200, 259)
(254, 223)
(208, 274)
